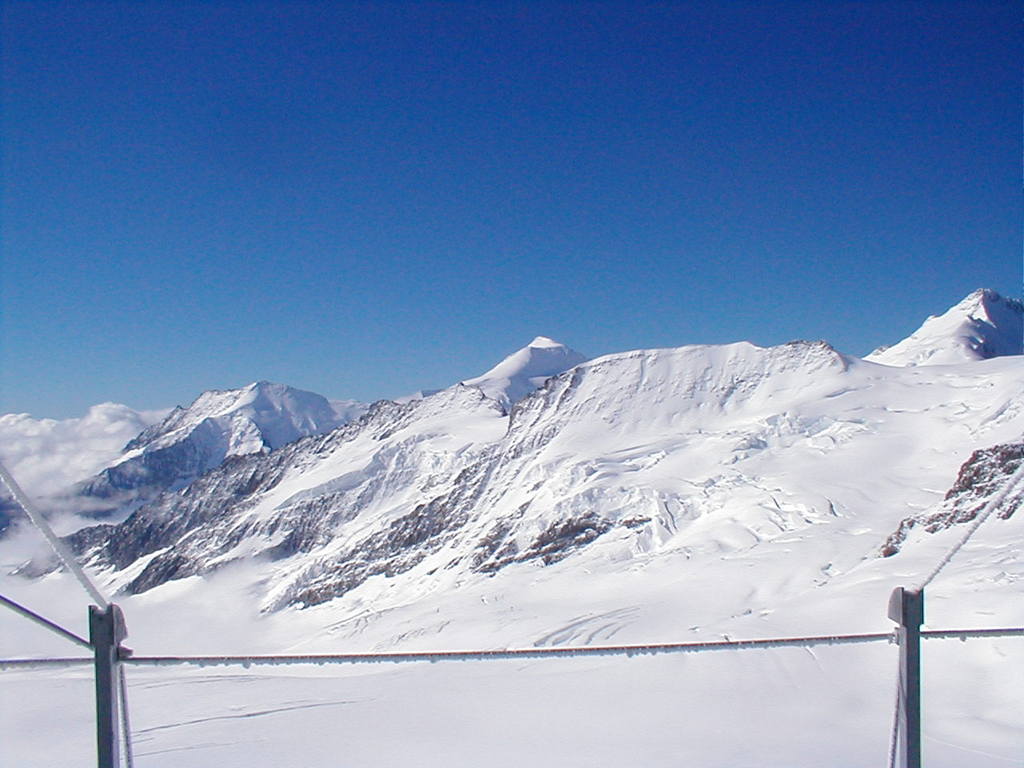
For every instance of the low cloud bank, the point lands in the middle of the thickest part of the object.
(47, 456)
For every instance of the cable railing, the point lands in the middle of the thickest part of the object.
(110, 658)
(507, 654)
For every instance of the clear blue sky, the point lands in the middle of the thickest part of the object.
(364, 199)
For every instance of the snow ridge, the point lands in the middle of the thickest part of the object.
(982, 326)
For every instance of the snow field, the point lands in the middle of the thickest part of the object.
(787, 707)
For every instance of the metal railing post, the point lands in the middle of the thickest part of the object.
(906, 608)
(106, 631)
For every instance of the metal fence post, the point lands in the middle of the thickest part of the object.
(906, 608)
(106, 631)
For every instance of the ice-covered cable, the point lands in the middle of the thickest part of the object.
(515, 653)
(58, 546)
(963, 634)
(536, 653)
(126, 726)
(894, 734)
(44, 622)
(988, 509)
(13, 665)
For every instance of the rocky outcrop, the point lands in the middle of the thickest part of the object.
(980, 478)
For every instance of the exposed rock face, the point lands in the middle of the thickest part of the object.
(213, 461)
(981, 477)
(196, 530)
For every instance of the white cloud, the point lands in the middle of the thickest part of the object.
(48, 455)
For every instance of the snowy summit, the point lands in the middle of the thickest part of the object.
(982, 326)
(257, 418)
(524, 371)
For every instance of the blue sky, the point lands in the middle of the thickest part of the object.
(365, 199)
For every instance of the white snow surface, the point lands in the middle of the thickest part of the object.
(749, 492)
(981, 326)
(525, 370)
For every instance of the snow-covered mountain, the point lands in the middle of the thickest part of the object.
(218, 425)
(649, 496)
(982, 326)
(696, 452)
(525, 370)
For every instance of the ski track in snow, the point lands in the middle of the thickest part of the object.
(239, 716)
(590, 630)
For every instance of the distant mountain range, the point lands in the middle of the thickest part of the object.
(575, 488)
(654, 455)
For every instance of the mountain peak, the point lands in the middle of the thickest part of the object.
(981, 326)
(544, 342)
(525, 370)
(270, 414)
(256, 418)
(989, 305)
